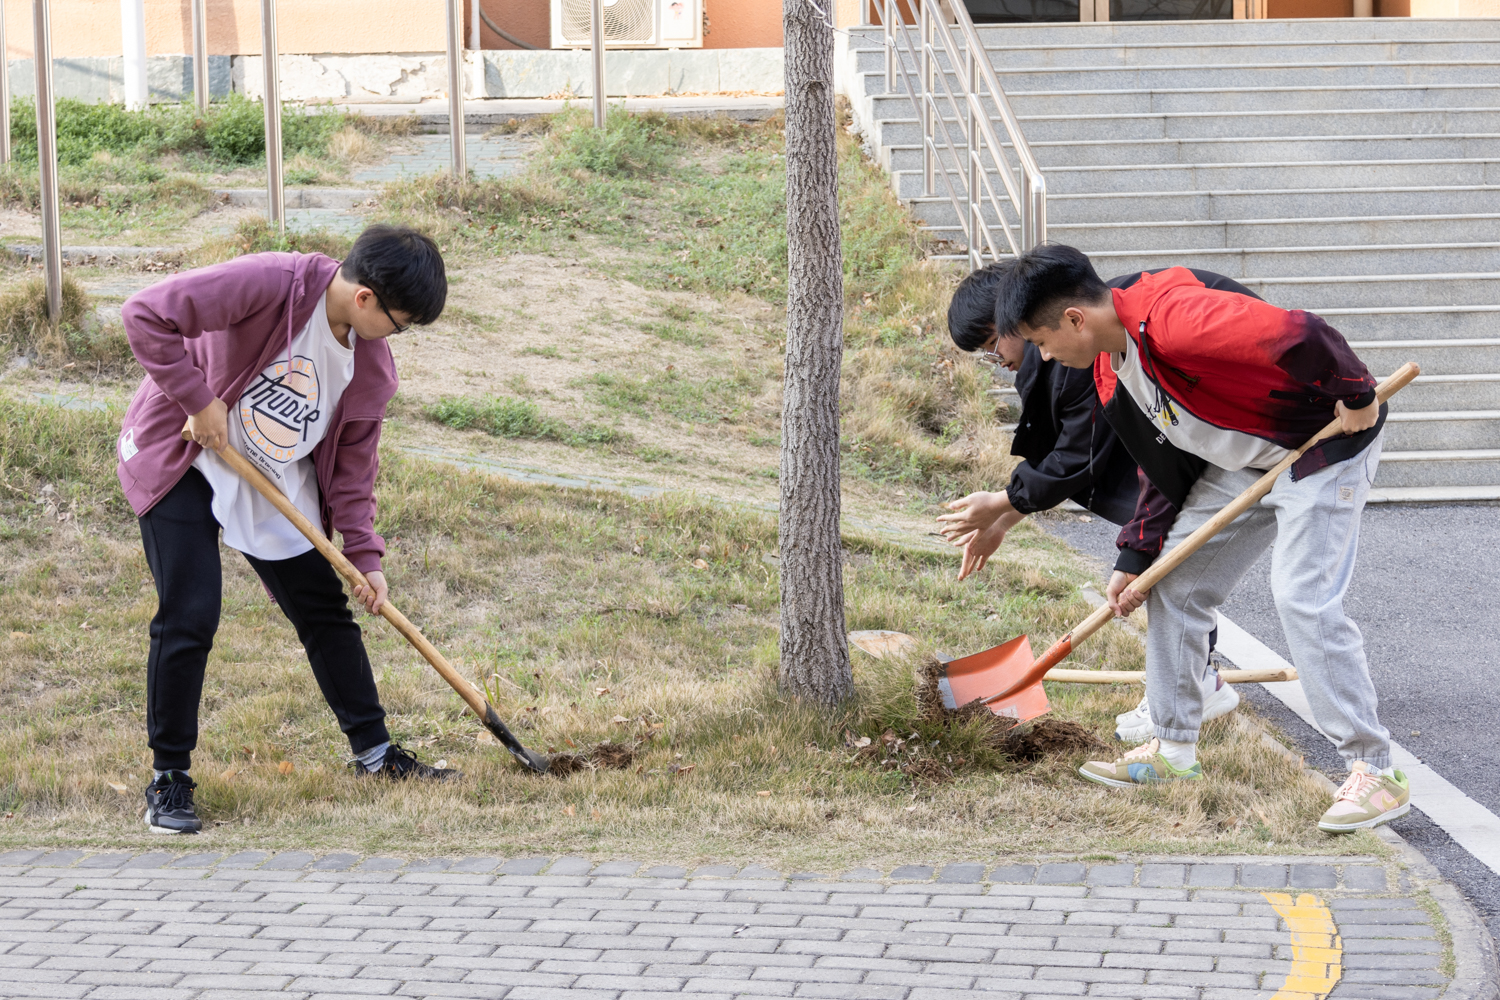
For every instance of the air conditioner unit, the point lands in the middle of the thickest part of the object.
(629, 24)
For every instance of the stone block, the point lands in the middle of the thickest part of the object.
(1263, 876)
(1369, 878)
(1211, 875)
(1314, 877)
(762, 69)
(1060, 873)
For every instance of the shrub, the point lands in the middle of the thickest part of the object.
(629, 144)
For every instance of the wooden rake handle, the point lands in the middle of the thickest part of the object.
(1192, 543)
(471, 695)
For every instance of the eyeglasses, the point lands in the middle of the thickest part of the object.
(398, 328)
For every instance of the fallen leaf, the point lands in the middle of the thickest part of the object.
(569, 811)
(764, 795)
(911, 808)
(704, 550)
(620, 720)
(441, 764)
(285, 767)
(699, 564)
(598, 692)
(20, 635)
(862, 742)
(121, 789)
(484, 736)
(594, 814)
(229, 774)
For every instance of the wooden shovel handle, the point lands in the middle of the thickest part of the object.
(1192, 543)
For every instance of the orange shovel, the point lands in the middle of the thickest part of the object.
(1007, 680)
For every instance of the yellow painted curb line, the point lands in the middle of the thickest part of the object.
(1317, 949)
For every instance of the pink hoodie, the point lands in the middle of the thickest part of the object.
(205, 334)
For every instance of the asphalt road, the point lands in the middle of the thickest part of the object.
(1423, 596)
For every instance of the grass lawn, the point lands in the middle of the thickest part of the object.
(615, 311)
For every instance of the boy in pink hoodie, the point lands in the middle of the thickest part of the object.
(282, 356)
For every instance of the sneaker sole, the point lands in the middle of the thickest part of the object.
(165, 831)
(1210, 712)
(1107, 782)
(1368, 824)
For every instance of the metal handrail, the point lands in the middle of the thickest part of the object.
(977, 138)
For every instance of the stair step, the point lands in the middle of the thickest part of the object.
(1419, 431)
(1228, 53)
(1165, 178)
(1448, 366)
(899, 124)
(1257, 149)
(1340, 30)
(1287, 233)
(1174, 206)
(1438, 467)
(1296, 262)
(1434, 494)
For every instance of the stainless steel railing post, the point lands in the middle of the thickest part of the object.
(4, 94)
(596, 43)
(46, 154)
(275, 192)
(890, 46)
(972, 148)
(456, 89)
(200, 57)
(925, 98)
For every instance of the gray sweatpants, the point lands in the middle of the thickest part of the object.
(1314, 525)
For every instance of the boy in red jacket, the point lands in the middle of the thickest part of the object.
(282, 356)
(1207, 389)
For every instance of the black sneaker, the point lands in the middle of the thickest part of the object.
(401, 764)
(169, 804)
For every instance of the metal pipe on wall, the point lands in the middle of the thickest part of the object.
(596, 42)
(275, 193)
(456, 88)
(46, 150)
(200, 56)
(4, 94)
(133, 38)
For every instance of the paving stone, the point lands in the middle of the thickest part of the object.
(244, 859)
(1059, 873)
(665, 871)
(715, 871)
(335, 862)
(524, 866)
(104, 860)
(154, 859)
(1314, 877)
(1013, 874)
(1211, 875)
(962, 872)
(476, 866)
(619, 868)
(1263, 876)
(918, 872)
(427, 865)
(860, 875)
(1114, 875)
(380, 864)
(1365, 877)
(203, 860)
(58, 859)
(758, 872)
(10, 858)
(570, 866)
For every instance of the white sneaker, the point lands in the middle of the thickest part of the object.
(1135, 726)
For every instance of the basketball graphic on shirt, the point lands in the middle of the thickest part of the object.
(279, 408)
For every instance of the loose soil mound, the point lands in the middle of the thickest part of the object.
(606, 756)
(1026, 742)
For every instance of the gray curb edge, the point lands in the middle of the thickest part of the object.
(1476, 975)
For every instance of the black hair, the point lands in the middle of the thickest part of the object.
(971, 313)
(403, 267)
(1046, 280)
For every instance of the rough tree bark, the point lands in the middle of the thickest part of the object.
(814, 647)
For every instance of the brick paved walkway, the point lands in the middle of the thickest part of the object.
(487, 156)
(257, 925)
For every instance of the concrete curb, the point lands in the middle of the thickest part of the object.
(1476, 974)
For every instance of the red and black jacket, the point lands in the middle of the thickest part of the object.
(1237, 363)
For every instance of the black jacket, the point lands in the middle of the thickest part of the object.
(1071, 452)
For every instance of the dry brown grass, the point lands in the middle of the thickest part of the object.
(587, 612)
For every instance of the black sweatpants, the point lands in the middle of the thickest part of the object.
(182, 547)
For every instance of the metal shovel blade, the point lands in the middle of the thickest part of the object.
(981, 675)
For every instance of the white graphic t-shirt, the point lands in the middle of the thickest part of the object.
(283, 414)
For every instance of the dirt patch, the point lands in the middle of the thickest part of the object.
(1021, 742)
(606, 756)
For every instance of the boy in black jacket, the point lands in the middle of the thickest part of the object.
(1069, 452)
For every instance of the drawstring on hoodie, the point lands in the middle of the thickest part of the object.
(1163, 401)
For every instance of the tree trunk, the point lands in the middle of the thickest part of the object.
(814, 646)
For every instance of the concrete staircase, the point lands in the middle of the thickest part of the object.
(1348, 167)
